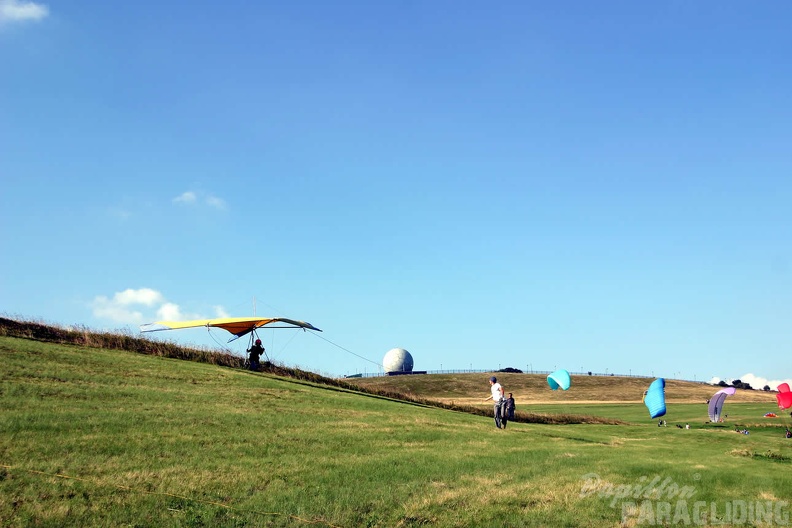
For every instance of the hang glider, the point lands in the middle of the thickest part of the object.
(239, 326)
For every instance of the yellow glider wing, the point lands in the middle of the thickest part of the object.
(238, 326)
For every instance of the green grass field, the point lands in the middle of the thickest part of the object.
(96, 437)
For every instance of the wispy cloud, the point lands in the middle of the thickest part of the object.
(200, 198)
(214, 201)
(185, 198)
(119, 213)
(17, 11)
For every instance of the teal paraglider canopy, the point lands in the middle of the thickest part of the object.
(655, 398)
(559, 379)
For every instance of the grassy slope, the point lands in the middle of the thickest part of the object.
(98, 437)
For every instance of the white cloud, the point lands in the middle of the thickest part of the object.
(187, 197)
(104, 308)
(122, 307)
(220, 312)
(19, 11)
(140, 306)
(757, 382)
(144, 296)
(169, 312)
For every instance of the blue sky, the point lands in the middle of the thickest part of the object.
(581, 185)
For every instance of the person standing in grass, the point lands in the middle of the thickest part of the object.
(509, 407)
(255, 354)
(498, 399)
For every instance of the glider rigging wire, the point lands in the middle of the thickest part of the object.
(253, 336)
(221, 345)
(347, 350)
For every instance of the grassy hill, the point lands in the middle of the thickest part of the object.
(533, 389)
(102, 436)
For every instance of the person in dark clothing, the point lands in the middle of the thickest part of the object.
(509, 407)
(255, 353)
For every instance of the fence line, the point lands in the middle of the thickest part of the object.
(530, 371)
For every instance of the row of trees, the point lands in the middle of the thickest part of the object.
(738, 384)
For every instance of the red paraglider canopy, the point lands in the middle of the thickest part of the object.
(784, 396)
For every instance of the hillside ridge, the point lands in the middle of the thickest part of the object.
(120, 340)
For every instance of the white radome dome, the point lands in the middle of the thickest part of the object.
(397, 360)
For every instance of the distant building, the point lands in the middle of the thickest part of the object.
(397, 360)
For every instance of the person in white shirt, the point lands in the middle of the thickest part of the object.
(498, 399)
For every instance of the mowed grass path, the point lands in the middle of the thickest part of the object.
(91, 437)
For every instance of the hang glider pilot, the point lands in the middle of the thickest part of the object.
(255, 353)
